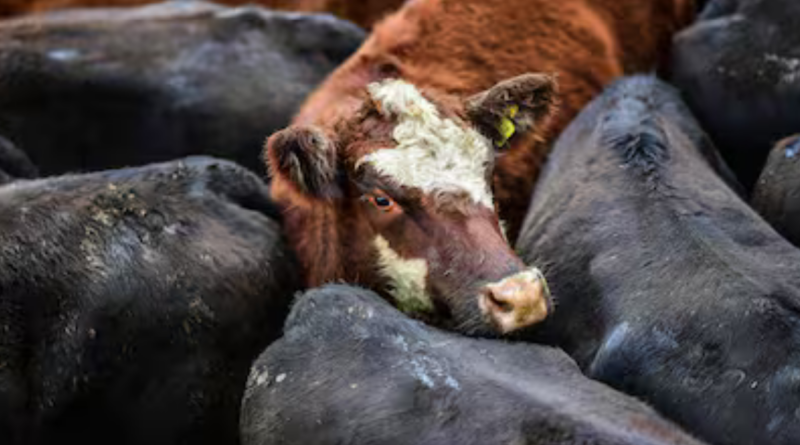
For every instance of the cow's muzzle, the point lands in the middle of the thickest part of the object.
(517, 301)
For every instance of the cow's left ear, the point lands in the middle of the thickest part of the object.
(514, 106)
(304, 157)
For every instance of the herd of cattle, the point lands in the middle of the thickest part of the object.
(167, 277)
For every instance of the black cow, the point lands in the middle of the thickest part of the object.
(739, 67)
(14, 164)
(133, 302)
(777, 193)
(352, 369)
(668, 286)
(159, 82)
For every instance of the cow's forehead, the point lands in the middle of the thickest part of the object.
(433, 153)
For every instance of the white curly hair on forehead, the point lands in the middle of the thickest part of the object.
(433, 154)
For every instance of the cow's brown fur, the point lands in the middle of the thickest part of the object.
(362, 12)
(464, 46)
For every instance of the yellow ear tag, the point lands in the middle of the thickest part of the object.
(506, 127)
(512, 111)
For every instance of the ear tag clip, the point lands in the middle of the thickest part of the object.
(506, 126)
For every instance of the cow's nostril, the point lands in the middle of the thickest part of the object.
(504, 306)
(517, 301)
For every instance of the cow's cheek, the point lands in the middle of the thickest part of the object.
(407, 279)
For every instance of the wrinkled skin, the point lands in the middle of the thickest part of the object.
(83, 90)
(401, 382)
(132, 303)
(739, 70)
(669, 286)
(777, 193)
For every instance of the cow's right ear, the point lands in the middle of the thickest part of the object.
(517, 105)
(304, 157)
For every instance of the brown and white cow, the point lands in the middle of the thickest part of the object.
(363, 185)
(397, 197)
(462, 47)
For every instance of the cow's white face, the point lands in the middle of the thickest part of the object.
(433, 154)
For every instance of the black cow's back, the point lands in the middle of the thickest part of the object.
(133, 301)
(352, 369)
(91, 89)
(739, 69)
(668, 286)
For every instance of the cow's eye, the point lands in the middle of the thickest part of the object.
(382, 202)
